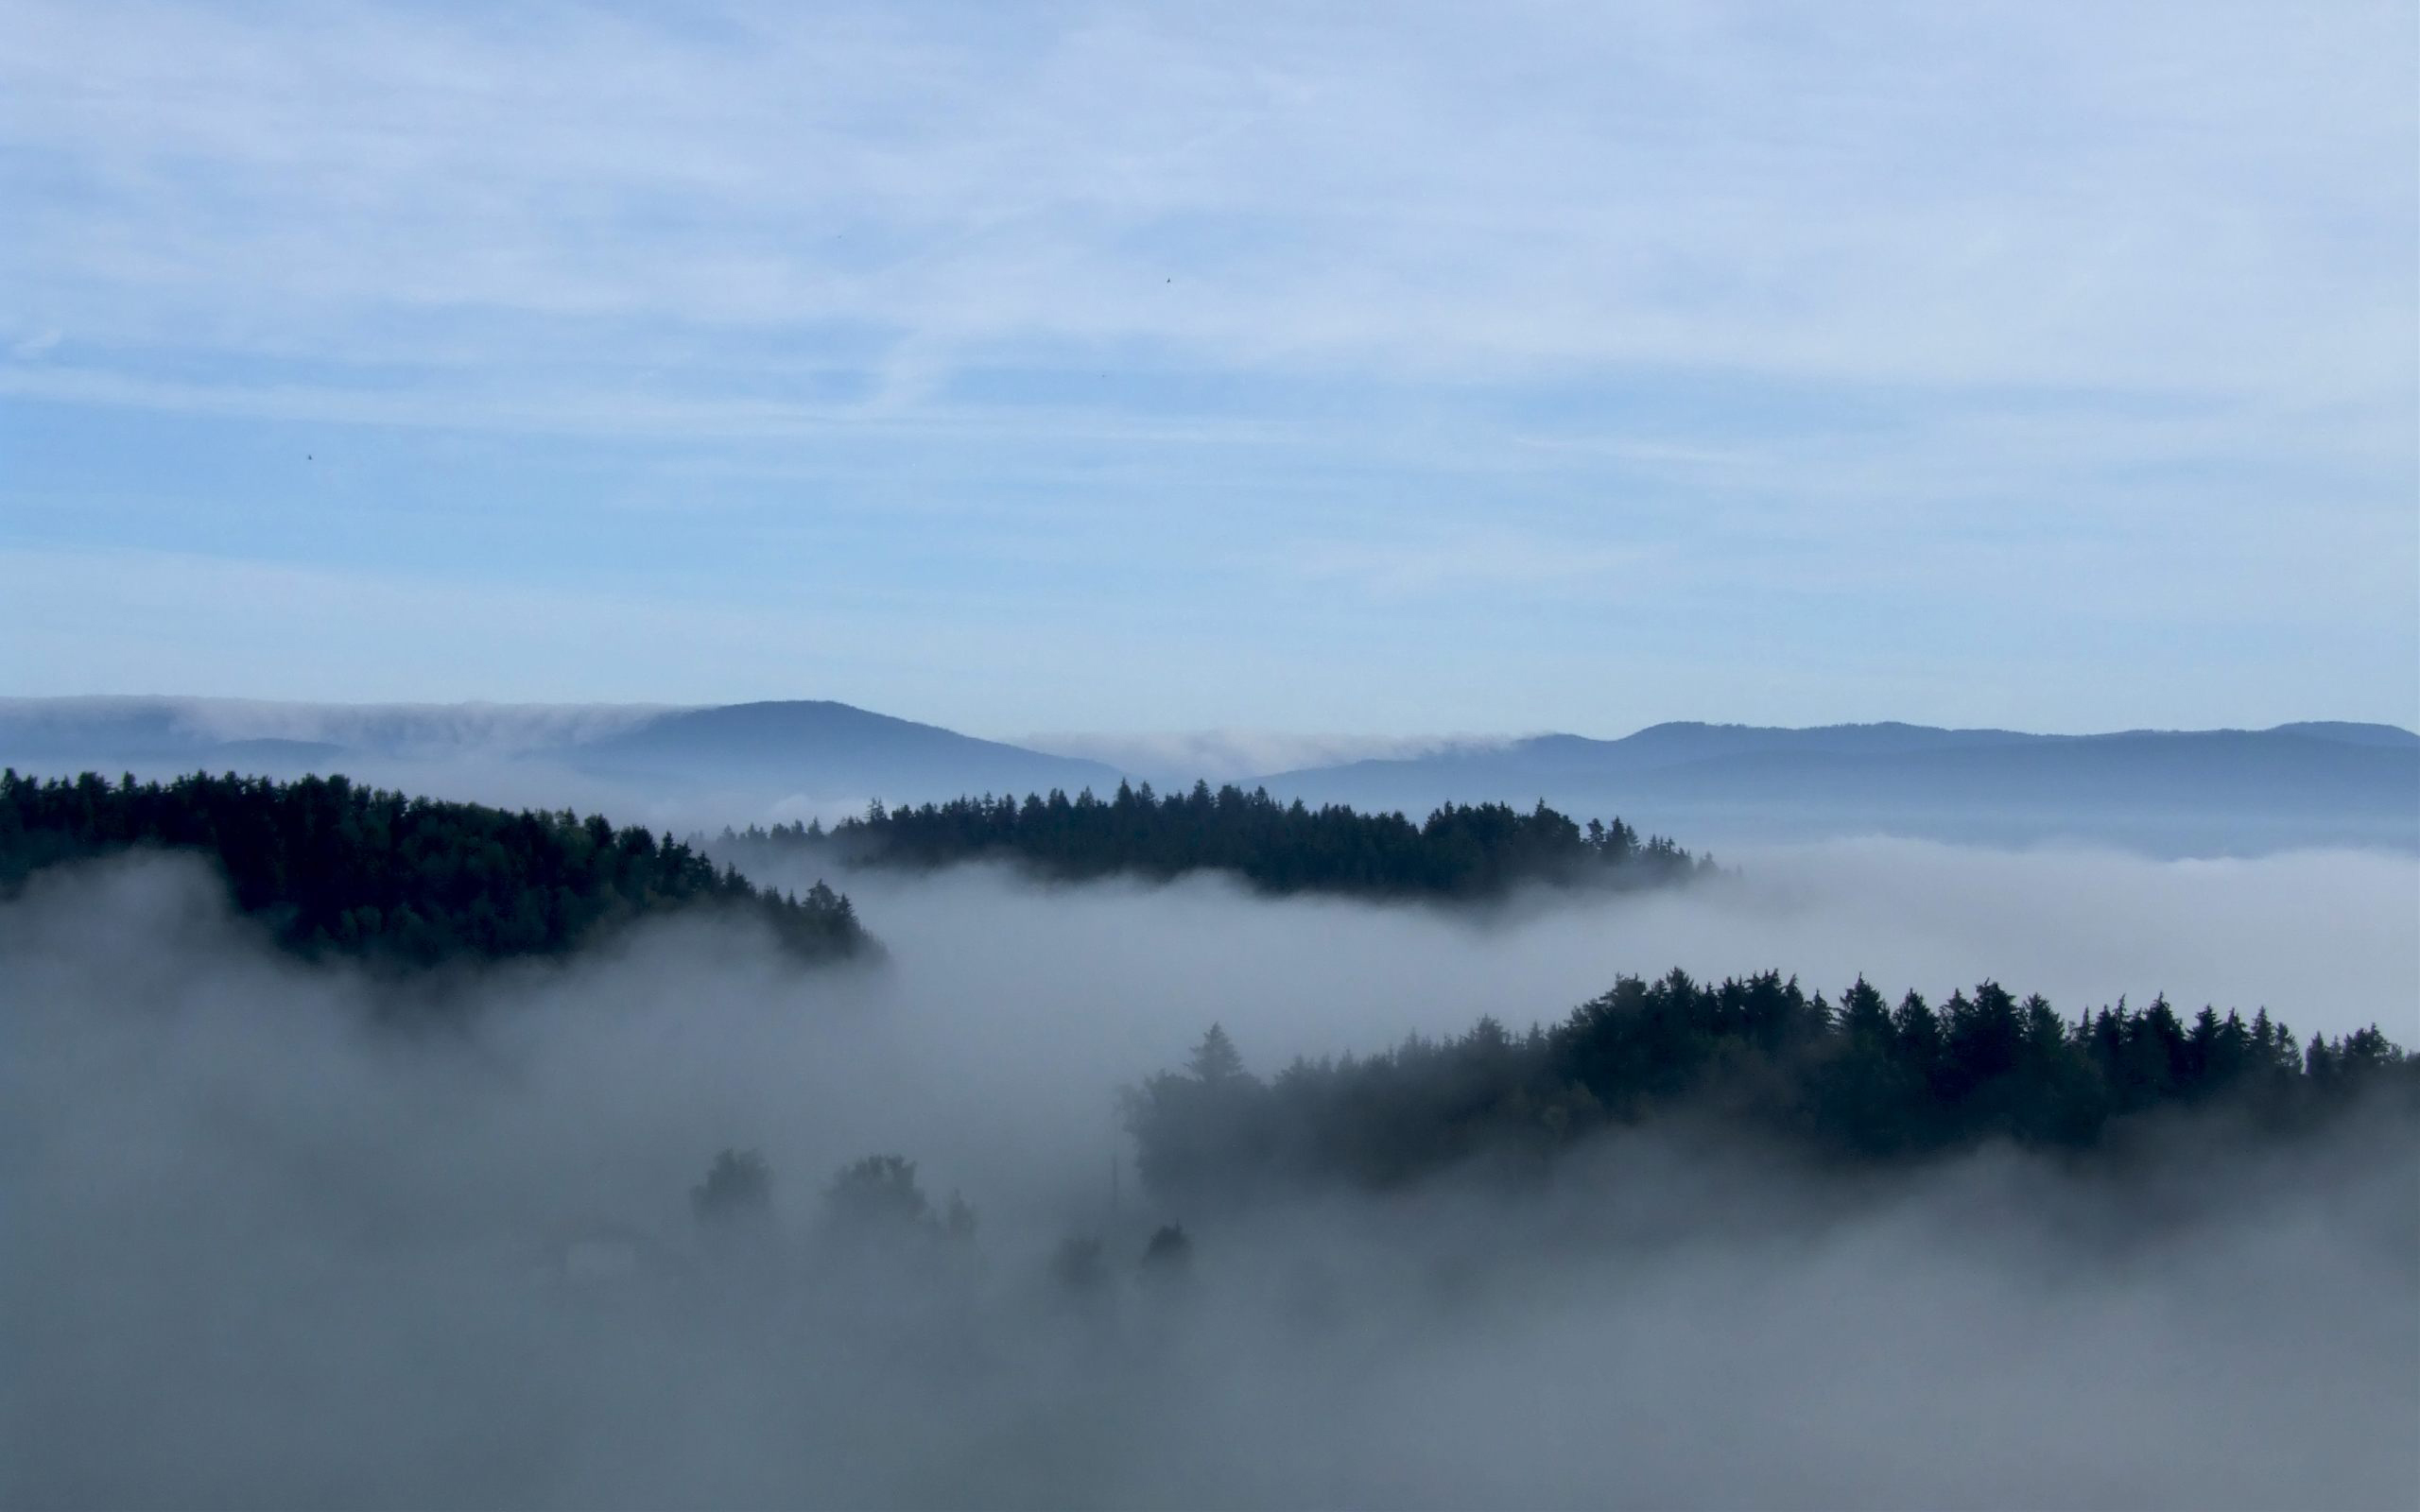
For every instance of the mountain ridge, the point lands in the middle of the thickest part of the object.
(2186, 791)
(2314, 782)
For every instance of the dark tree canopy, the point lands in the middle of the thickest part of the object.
(1858, 1080)
(738, 1189)
(1461, 850)
(878, 1192)
(333, 868)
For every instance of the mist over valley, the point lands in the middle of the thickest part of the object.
(279, 1251)
(302, 1229)
(1300, 756)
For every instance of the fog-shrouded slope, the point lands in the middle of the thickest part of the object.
(1856, 1080)
(2218, 790)
(820, 748)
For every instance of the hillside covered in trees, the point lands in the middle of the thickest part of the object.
(333, 868)
(1462, 850)
(1858, 1080)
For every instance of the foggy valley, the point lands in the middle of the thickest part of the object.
(1628, 754)
(277, 1246)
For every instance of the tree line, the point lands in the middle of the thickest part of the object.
(1858, 1079)
(331, 867)
(1461, 850)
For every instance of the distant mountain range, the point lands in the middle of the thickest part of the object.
(749, 753)
(2219, 791)
(2191, 790)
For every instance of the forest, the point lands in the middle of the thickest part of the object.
(333, 868)
(1461, 850)
(1857, 1081)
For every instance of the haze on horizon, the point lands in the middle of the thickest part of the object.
(1130, 369)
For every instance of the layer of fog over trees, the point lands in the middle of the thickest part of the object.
(264, 1248)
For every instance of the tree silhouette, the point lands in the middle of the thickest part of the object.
(1215, 1061)
(876, 1194)
(737, 1190)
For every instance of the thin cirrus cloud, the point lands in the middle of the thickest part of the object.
(2013, 199)
(1502, 302)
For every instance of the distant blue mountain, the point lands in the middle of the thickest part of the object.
(2394, 737)
(2218, 790)
(830, 750)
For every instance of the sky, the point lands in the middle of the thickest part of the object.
(1372, 369)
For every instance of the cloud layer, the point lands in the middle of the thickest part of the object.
(269, 1253)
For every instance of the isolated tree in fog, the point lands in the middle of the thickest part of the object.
(877, 1193)
(738, 1190)
(1196, 1128)
(957, 1220)
(878, 1230)
(1169, 1257)
(1215, 1061)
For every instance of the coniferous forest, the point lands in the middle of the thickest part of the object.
(335, 868)
(1461, 850)
(1858, 1080)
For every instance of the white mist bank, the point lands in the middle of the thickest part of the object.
(2329, 940)
(263, 1251)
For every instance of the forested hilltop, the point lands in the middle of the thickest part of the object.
(1858, 1080)
(333, 868)
(1462, 850)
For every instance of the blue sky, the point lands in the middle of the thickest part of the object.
(1373, 369)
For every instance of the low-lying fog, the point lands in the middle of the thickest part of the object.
(260, 1251)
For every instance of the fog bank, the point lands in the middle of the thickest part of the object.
(264, 1250)
(2330, 941)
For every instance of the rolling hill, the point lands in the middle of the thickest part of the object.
(819, 748)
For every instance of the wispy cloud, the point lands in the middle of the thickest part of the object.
(1468, 194)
